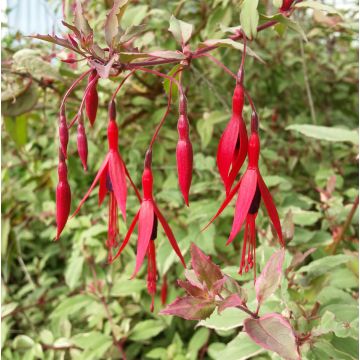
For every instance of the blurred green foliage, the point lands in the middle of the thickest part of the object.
(50, 307)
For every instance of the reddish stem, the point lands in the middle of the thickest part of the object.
(121, 84)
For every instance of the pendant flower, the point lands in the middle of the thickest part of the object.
(112, 180)
(147, 219)
(251, 189)
(232, 149)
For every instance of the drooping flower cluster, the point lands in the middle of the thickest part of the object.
(233, 149)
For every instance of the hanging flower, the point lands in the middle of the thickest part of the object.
(112, 180)
(233, 143)
(147, 218)
(251, 189)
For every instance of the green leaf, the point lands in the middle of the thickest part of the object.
(231, 43)
(90, 340)
(273, 332)
(17, 128)
(131, 32)
(240, 348)
(324, 265)
(71, 305)
(315, 5)
(230, 318)
(126, 287)
(287, 22)
(7, 309)
(74, 269)
(205, 126)
(181, 30)
(198, 340)
(174, 88)
(30, 61)
(23, 342)
(146, 330)
(326, 133)
(249, 17)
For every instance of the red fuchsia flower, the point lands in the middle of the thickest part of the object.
(147, 219)
(184, 152)
(232, 149)
(112, 180)
(92, 98)
(251, 189)
(63, 196)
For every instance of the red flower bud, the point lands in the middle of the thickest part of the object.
(92, 98)
(63, 133)
(63, 198)
(184, 159)
(82, 145)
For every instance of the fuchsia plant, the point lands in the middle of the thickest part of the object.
(206, 286)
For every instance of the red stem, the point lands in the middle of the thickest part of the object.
(121, 84)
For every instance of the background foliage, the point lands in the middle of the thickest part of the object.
(51, 309)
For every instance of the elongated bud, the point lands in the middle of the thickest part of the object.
(184, 160)
(254, 122)
(182, 105)
(254, 150)
(63, 198)
(92, 98)
(238, 100)
(82, 144)
(112, 110)
(113, 131)
(63, 132)
(147, 183)
(164, 289)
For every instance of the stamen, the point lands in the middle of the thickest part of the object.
(151, 275)
(113, 225)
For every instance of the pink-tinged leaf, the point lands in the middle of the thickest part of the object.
(145, 227)
(80, 21)
(190, 308)
(112, 21)
(97, 178)
(191, 289)
(233, 300)
(226, 148)
(241, 156)
(167, 54)
(219, 285)
(58, 41)
(270, 207)
(233, 287)
(104, 71)
(118, 181)
(169, 234)
(204, 268)
(246, 194)
(270, 277)
(192, 278)
(128, 235)
(102, 187)
(273, 332)
(224, 204)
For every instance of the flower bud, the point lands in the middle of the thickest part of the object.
(92, 98)
(63, 199)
